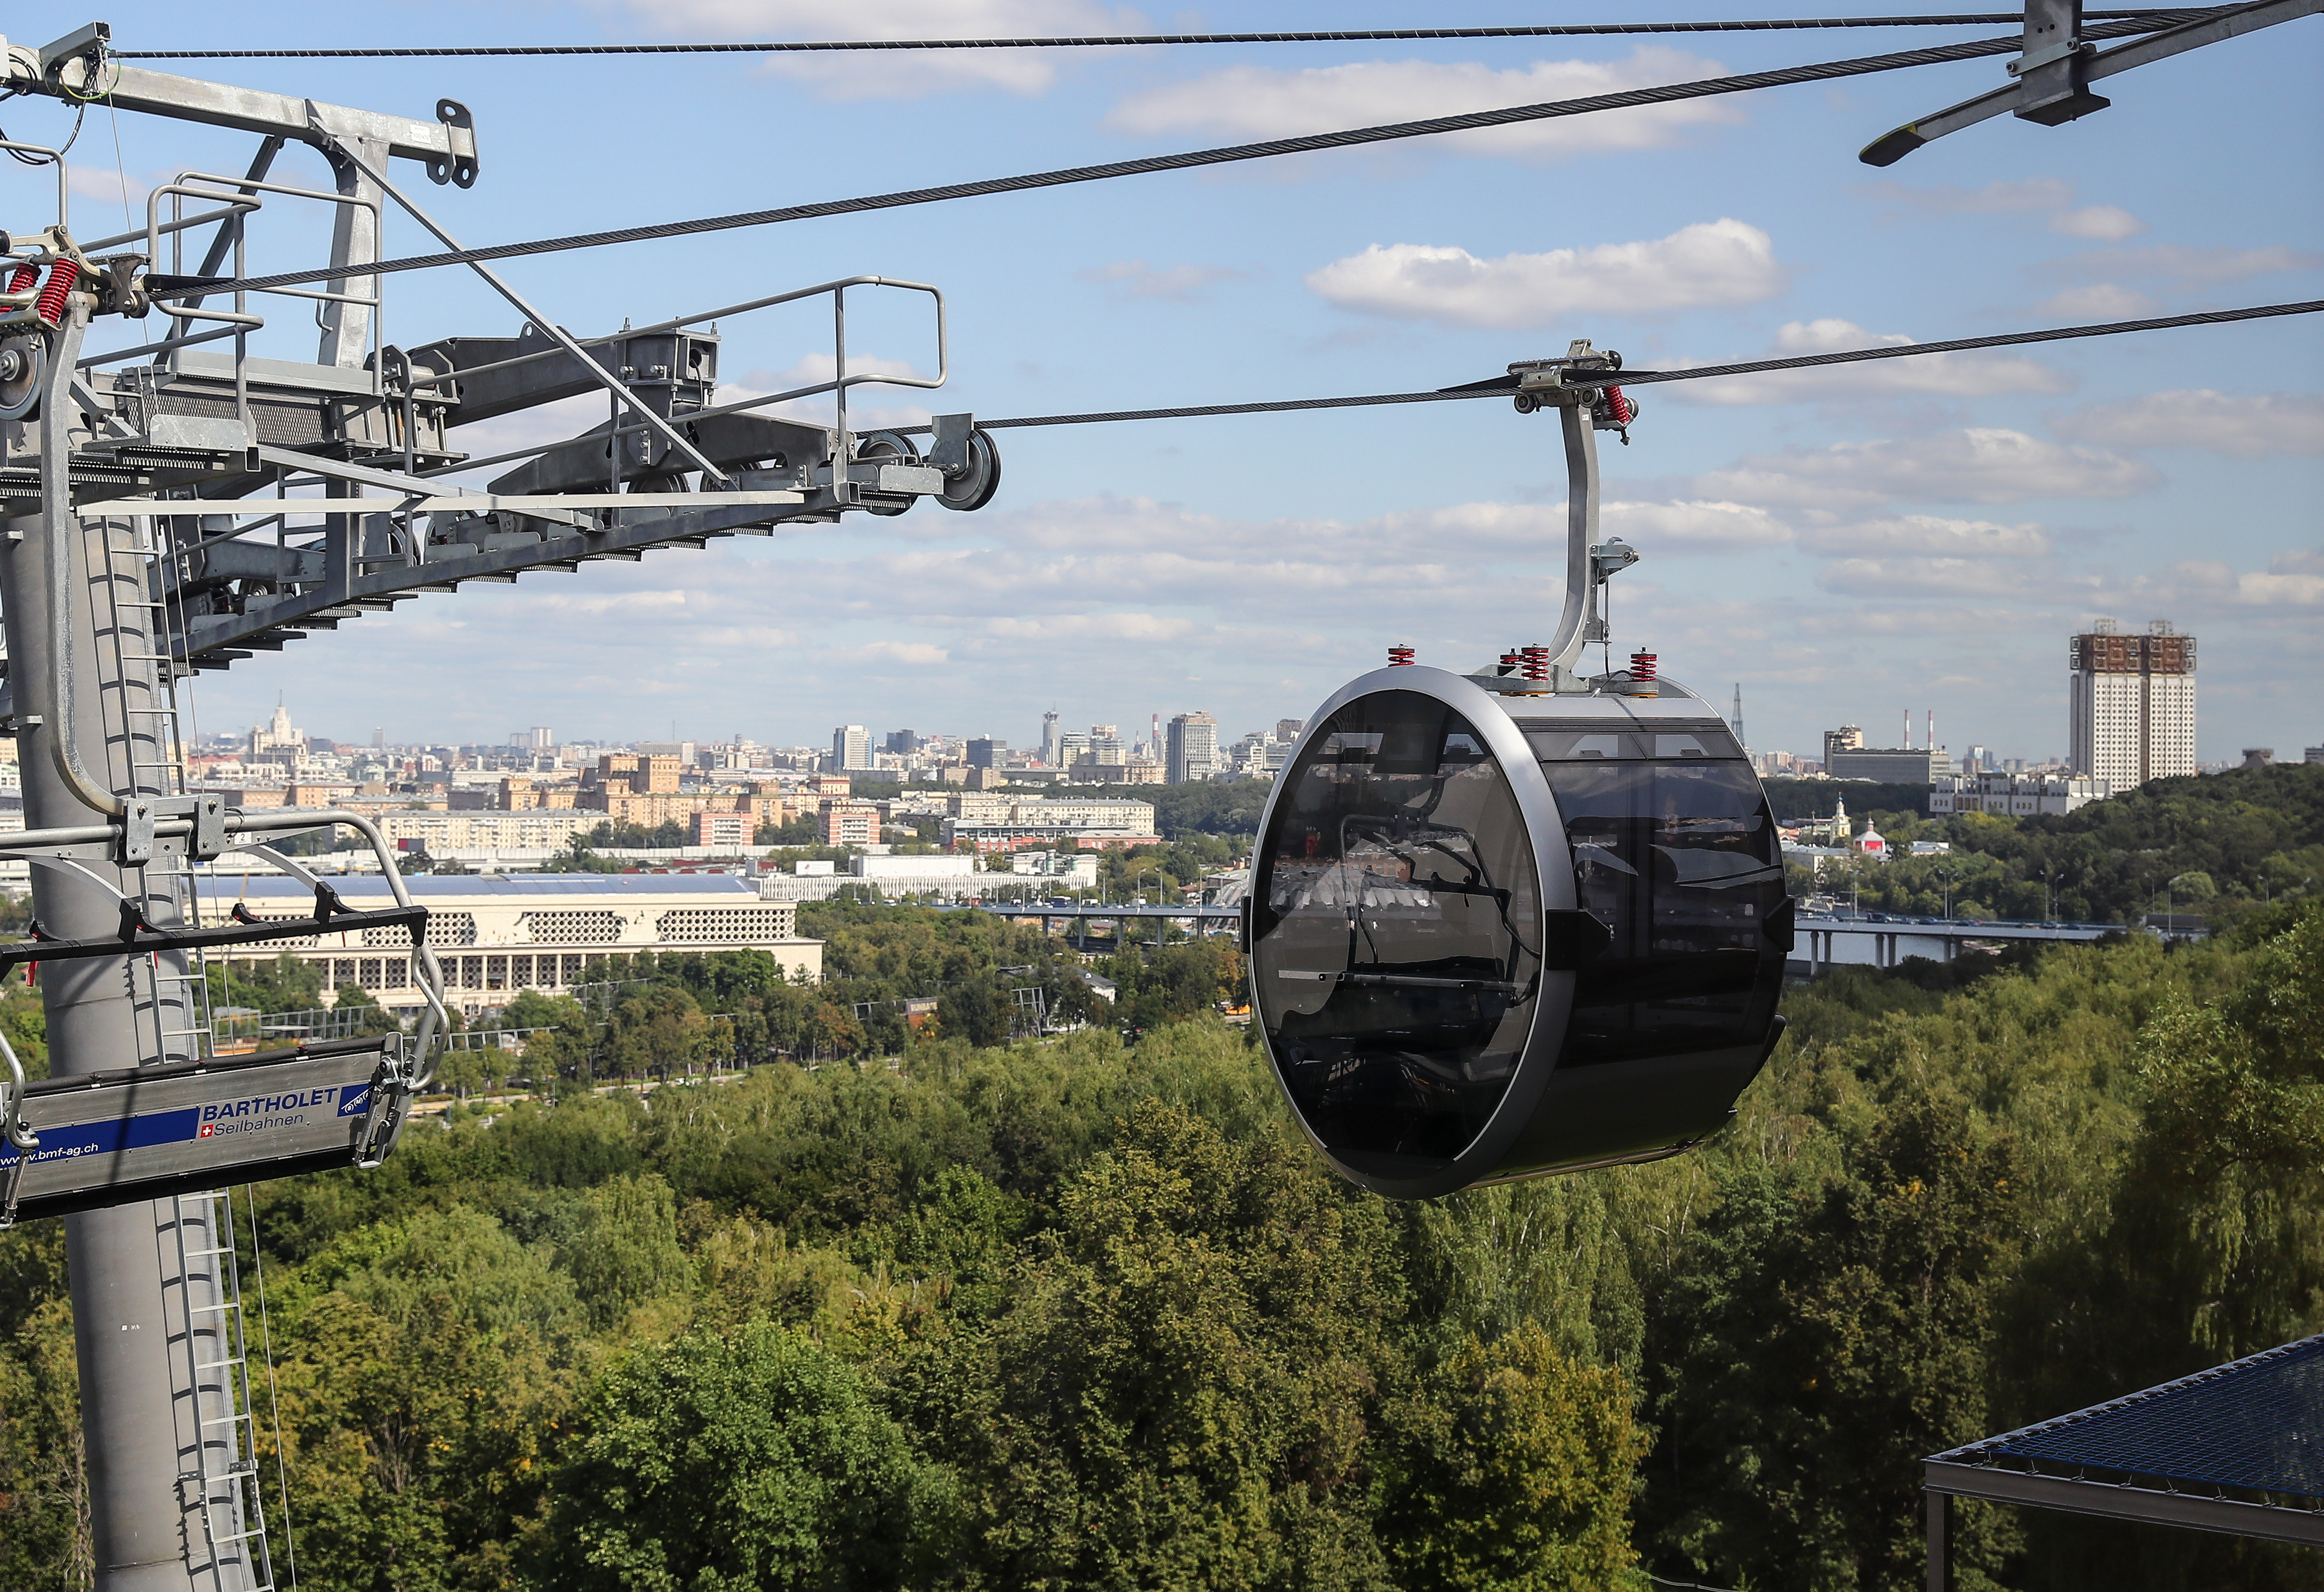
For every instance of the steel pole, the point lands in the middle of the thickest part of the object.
(131, 1310)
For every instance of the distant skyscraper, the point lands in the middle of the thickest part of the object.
(1050, 747)
(984, 752)
(2131, 705)
(1288, 730)
(851, 748)
(1194, 748)
(1847, 738)
(1104, 744)
(903, 742)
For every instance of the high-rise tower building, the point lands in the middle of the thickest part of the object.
(2131, 703)
(1847, 738)
(1194, 748)
(851, 748)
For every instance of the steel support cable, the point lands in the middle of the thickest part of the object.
(2159, 18)
(1646, 378)
(1305, 144)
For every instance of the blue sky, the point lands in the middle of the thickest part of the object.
(1920, 533)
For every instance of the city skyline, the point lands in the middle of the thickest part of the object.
(878, 740)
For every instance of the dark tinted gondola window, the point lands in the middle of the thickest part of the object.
(1680, 859)
(1395, 934)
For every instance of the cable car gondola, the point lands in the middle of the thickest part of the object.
(1520, 922)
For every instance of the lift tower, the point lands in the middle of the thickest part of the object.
(177, 504)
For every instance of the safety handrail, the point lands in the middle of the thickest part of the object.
(276, 820)
(840, 381)
(236, 205)
(13, 1125)
(57, 159)
(139, 936)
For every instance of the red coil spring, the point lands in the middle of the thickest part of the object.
(1509, 663)
(1620, 406)
(24, 277)
(1642, 666)
(61, 277)
(1536, 661)
(1398, 657)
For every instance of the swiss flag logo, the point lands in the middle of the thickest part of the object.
(207, 1129)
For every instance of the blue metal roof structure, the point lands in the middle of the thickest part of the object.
(2239, 1449)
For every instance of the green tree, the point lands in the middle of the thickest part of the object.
(284, 984)
(1829, 1327)
(423, 1367)
(1516, 1476)
(44, 1538)
(1181, 1395)
(739, 1462)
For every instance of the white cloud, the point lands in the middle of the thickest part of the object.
(1259, 101)
(2241, 424)
(2206, 584)
(1710, 263)
(2298, 561)
(916, 654)
(899, 74)
(813, 368)
(871, 404)
(599, 605)
(2184, 266)
(2035, 194)
(2100, 301)
(1066, 628)
(1180, 284)
(560, 421)
(1977, 466)
(1949, 620)
(2107, 224)
(1920, 577)
(1930, 535)
(1948, 375)
(2279, 591)
(1696, 527)
(106, 187)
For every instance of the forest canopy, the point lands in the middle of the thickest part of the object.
(1072, 1311)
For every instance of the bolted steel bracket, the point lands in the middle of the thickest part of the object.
(209, 826)
(136, 847)
(948, 442)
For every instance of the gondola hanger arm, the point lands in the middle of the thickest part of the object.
(2053, 74)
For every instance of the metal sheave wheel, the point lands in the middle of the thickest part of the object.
(23, 359)
(973, 487)
(886, 448)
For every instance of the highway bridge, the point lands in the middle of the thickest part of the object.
(1881, 940)
(1821, 942)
